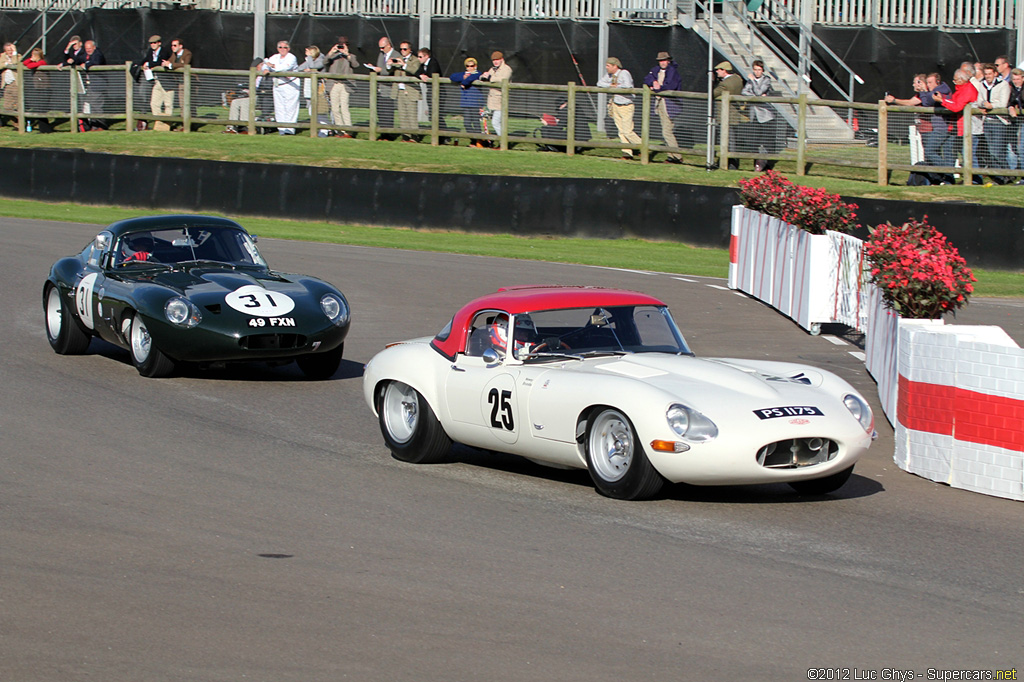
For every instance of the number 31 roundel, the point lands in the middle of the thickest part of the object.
(259, 302)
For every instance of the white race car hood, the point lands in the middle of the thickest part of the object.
(683, 375)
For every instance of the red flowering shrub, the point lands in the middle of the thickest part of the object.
(921, 275)
(809, 208)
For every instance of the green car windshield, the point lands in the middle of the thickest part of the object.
(187, 244)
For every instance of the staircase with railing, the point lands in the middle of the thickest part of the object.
(733, 33)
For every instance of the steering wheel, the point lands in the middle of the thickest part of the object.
(552, 343)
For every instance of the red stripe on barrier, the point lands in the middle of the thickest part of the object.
(925, 407)
(966, 415)
(734, 249)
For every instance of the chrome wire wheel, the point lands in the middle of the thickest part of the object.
(142, 342)
(611, 445)
(400, 410)
(54, 314)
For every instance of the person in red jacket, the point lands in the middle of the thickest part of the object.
(37, 90)
(964, 93)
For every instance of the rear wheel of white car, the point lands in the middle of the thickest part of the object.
(616, 460)
(409, 426)
(62, 330)
(821, 486)
(146, 357)
(320, 366)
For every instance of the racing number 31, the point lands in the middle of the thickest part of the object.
(501, 402)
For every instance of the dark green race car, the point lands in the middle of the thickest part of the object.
(184, 288)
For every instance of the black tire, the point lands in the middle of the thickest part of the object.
(147, 358)
(822, 486)
(63, 331)
(616, 459)
(409, 426)
(321, 366)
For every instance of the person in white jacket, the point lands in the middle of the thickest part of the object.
(994, 94)
(286, 89)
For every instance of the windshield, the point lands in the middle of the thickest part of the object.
(579, 331)
(183, 244)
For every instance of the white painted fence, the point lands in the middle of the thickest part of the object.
(940, 14)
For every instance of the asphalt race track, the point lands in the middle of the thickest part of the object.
(243, 523)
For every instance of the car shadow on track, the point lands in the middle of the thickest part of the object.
(232, 371)
(773, 493)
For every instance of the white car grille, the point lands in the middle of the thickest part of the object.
(794, 453)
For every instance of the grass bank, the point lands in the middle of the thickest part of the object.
(634, 254)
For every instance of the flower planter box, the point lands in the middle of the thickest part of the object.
(784, 266)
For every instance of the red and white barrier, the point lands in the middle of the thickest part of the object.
(960, 407)
(954, 394)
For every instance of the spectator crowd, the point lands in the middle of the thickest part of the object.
(995, 88)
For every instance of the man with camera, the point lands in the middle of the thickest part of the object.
(340, 62)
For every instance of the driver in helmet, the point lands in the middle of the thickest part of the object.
(137, 248)
(524, 336)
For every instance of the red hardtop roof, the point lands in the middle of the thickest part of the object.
(528, 299)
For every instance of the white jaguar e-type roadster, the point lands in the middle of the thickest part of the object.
(585, 377)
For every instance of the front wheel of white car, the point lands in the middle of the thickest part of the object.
(616, 459)
(409, 426)
(822, 486)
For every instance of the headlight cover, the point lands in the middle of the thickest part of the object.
(335, 308)
(860, 411)
(182, 312)
(690, 424)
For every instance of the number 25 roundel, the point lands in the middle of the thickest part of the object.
(259, 302)
(499, 407)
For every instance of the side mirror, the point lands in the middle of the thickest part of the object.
(491, 357)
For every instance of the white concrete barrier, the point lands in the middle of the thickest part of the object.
(954, 394)
(812, 279)
(960, 407)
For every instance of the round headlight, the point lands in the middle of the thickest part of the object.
(335, 308)
(690, 424)
(678, 420)
(181, 312)
(860, 411)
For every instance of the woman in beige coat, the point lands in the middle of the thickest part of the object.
(9, 79)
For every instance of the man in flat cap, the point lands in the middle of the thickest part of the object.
(161, 100)
(500, 71)
(620, 107)
(664, 77)
(730, 83)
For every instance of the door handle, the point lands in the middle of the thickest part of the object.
(456, 368)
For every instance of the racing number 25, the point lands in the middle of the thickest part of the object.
(502, 402)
